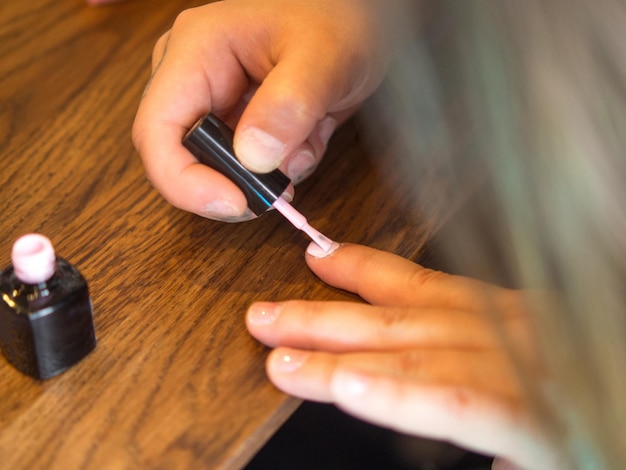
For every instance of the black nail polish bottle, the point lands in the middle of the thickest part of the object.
(211, 142)
(46, 319)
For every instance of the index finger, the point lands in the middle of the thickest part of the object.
(180, 92)
(386, 279)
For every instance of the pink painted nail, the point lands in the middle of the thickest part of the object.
(287, 362)
(263, 313)
(317, 251)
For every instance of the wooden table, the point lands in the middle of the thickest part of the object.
(176, 381)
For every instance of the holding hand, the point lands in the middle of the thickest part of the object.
(284, 73)
(423, 358)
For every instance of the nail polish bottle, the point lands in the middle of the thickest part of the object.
(46, 318)
(211, 142)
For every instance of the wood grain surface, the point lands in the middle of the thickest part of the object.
(175, 381)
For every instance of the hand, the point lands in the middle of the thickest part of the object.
(425, 357)
(284, 72)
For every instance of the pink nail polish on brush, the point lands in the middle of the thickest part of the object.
(211, 142)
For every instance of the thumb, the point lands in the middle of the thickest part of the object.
(315, 78)
(289, 109)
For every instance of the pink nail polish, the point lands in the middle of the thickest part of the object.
(289, 361)
(263, 313)
(300, 222)
(46, 319)
(317, 251)
(210, 142)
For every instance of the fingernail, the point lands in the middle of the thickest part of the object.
(301, 165)
(287, 196)
(258, 150)
(317, 251)
(327, 127)
(263, 313)
(350, 384)
(247, 215)
(290, 361)
(225, 212)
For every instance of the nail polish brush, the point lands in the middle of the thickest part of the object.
(211, 142)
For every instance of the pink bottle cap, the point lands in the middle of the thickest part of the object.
(33, 258)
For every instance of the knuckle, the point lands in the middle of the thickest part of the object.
(302, 105)
(411, 364)
(422, 278)
(391, 318)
